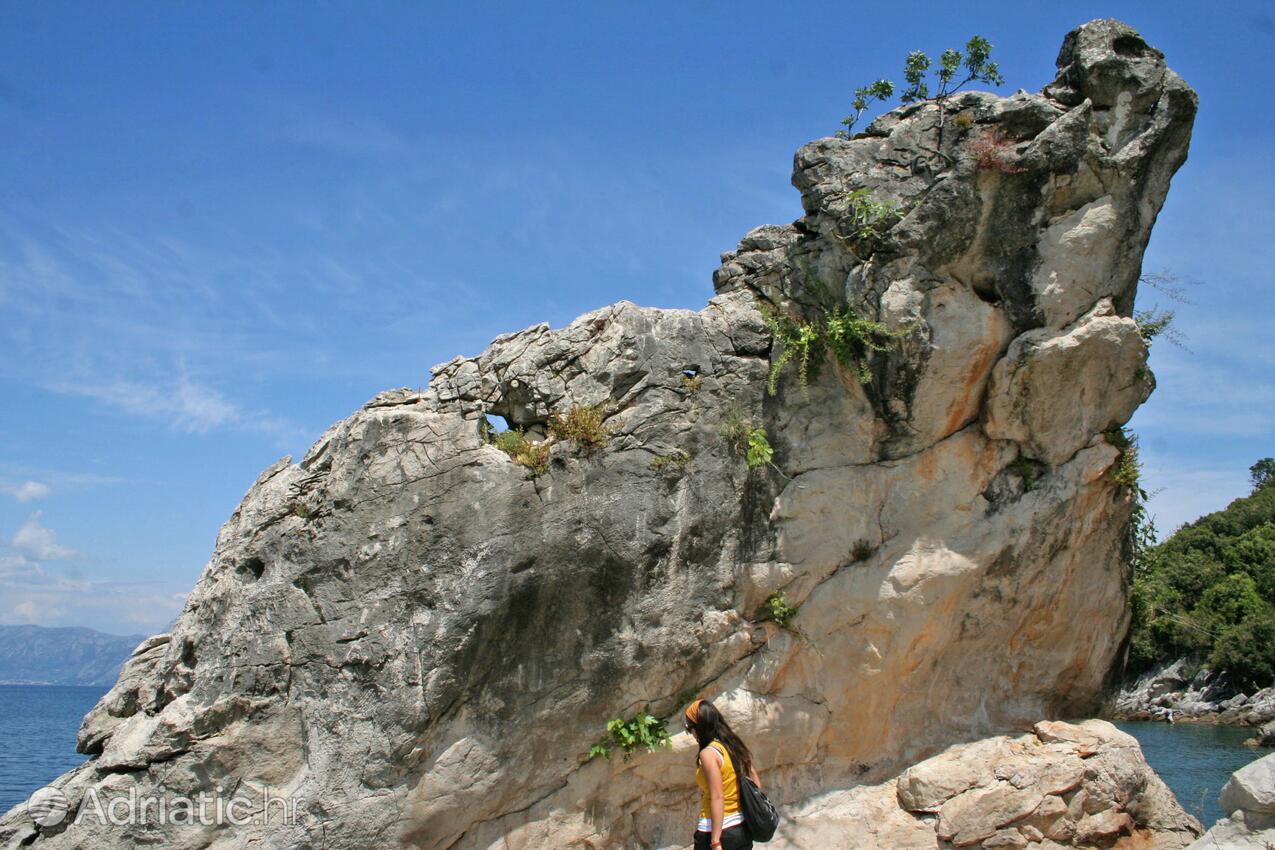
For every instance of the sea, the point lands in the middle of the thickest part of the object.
(38, 725)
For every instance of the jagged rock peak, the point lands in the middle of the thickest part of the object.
(420, 635)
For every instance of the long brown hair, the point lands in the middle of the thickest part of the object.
(709, 725)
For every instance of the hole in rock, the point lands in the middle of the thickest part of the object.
(496, 424)
(1128, 45)
(253, 567)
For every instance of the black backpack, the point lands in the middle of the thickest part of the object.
(760, 815)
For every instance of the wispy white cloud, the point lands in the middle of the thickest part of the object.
(40, 542)
(108, 315)
(15, 566)
(110, 606)
(183, 404)
(27, 491)
(32, 592)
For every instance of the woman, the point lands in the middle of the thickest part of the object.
(721, 753)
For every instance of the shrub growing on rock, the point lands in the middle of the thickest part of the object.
(777, 610)
(583, 424)
(642, 730)
(534, 456)
(842, 333)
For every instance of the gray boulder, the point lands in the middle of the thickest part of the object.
(1251, 788)
(1249, 800)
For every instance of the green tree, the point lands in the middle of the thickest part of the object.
(1208, 592)
(1262, 473)
(974, 63)
(956, 69)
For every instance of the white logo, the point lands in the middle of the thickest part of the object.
(47, 806)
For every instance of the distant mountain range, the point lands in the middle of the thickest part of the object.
(35, 655)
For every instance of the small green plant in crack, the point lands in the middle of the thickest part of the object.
(301, 509)
(851, 338)
(583, 424)
(1154, 323)
(759, 451)
(642, 731)
(1027, 470)
(862, 550)
(800, 342)
(868, 218)
(673, 462)
(777, 610)
(735, 428)
(1126, 471)
(692, 383)
(533, 456)
(841, 332)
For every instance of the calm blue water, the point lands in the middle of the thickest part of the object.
(38, 725)
(37, 736)
(1195, 760)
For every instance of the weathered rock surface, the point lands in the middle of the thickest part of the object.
(1176, 691)
(1249, 801)
(1064, 785)
(420, 639)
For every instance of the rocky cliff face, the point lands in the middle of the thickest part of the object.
(421, 639)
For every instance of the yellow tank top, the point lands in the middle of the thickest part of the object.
(730, 788)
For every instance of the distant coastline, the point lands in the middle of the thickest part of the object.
(70, 656)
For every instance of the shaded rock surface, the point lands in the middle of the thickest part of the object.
(1265, 736)
(1249, 801)
(420, 639)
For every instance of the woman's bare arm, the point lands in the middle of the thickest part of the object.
(754, 775)
(716, 801)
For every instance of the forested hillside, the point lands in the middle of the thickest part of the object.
(1208, 592)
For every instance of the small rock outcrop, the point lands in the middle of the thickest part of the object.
(1265, 736)
(1064, 785)
(1178, 691)
(419, 635)
(1248, 798)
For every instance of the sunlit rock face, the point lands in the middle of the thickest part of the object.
(420, 639)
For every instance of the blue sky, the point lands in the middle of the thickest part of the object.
(225, 226)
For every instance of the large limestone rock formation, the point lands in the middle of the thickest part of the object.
(420, 639)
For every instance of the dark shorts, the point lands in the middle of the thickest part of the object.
(733, 838)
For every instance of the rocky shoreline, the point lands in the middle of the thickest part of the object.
(1178, 692)
(1249, 801)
